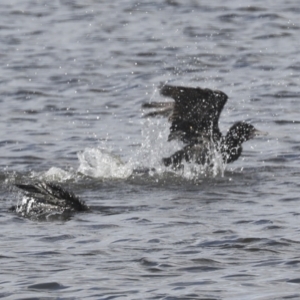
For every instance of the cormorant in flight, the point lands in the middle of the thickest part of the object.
(194, 118)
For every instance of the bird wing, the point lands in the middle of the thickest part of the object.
(195, 113)
(53, 194)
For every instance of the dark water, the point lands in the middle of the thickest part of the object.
(73, 77)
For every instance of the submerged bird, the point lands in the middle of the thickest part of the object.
(47, 197)
(194, 118)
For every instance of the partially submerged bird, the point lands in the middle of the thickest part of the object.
(46, 198)
(194, 118)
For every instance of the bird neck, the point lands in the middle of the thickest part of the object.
(231, 148)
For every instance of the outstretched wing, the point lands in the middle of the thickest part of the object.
(195, 113)
(53, 194)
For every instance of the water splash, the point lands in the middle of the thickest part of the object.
(155, 146)
(24, 206)
(56, 174)
(95, 162)
(102, 163)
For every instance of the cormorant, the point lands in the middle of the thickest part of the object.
(194, 118)
(47, 197)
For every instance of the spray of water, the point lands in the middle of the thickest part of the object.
(101, 163)
(96, 162)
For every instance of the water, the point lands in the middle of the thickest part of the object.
(73, 78)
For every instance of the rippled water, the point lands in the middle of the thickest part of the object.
(73, 77)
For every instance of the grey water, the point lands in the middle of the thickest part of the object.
(74, 75)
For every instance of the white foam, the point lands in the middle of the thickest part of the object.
(53, 174)
(100, 163)
(57, 174)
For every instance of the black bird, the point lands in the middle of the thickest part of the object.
(48, 197)
(194, 118)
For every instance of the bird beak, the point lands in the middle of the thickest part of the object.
(256, 132)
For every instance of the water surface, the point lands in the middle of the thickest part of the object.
(74, 76)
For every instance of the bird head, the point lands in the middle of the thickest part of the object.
(242, 132)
